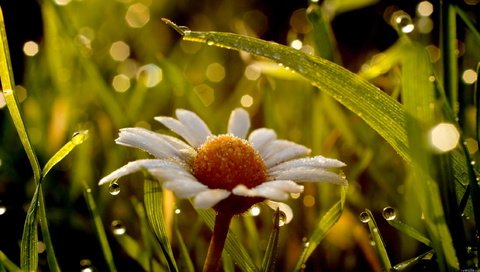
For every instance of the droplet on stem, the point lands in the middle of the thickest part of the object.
(364, 217)
(282, 219)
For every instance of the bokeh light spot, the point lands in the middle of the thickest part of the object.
(119, 51)
(121, 83)
(215, 72)
(444, 137)
(150, 75)
(252, 72)
(469, 76)
(30, 48)
(425, 8)
(137, 15)
(246, 101)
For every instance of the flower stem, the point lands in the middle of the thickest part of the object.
(217, 242)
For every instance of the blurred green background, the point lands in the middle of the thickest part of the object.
(104, 65)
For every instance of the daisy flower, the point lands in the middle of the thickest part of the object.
(226, 172)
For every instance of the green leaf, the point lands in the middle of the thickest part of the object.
(232, 245)
(269, 258)
(153, 208)
(29, 243)
(380, 111)
(8, 264)
(185, 262)
(77, 139)
(100, 230)
(377, 239)
(323, 226)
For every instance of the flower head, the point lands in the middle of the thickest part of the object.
(228, 172)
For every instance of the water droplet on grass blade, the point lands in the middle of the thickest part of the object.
(282, 219)
(118, 228)
(114, 188)
(364, 217)
(79, 136)
(389, 213)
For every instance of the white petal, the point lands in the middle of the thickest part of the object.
(309, 175)
(239, 123)
(184, 188)
(260, 137)
(288, 186)
(276, 190)
(287, 152)
(210, 198)
(283, 208)
(167, 173)
(148, 141)
(179, 128)
(138, 165)
(314, 162)
(195, 124)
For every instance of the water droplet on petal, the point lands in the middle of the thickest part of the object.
(364, 217)
(389, 213)
(114, 188)
(118, 228)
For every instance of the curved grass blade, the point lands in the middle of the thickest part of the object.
(269, 258)
(77, 139)
(100, 230)
(185, 262)
(468, 22)
(377, 239)
(232, 245)
(8, 264)
(323, 226)
(29, 243)
(408, 264)
(153, 208)
(409, 230)
(380, 111)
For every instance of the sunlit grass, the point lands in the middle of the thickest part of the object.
(406, 124)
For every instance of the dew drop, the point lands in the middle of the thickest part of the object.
(404, 23)
(210, 42)
(364, 217)
(282, 219)
(79, 136)
(118, 228)
(114, 188)
(307, 244)
(389, 213)
(185, 30)
(178, 211)
(86, 266)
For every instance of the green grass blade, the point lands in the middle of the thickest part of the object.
(8, 264)
(322, 33)
(380, 111)
(269, 258)
(408, 264)
(377, 239)
(7, 83)
(29, 243)
(153, 208)
(232, 245)
(448, 45)
(77, 139)
(185, 262)
(416, 70)
(477, 100)
(408, 230)
(100, 230)
(324, 225)
(470, 25)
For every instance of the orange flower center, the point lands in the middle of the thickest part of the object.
(226, 161)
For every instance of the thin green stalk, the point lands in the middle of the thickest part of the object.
(448, 41)
(102, 236)
(8, 264)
